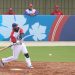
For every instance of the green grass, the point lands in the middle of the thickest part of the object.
(59, 53)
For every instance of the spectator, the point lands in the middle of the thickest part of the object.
(57, 11)
(31, 11)
(10, 12)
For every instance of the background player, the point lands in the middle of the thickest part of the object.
(18, 46)
(31, 11)
(57, 11)
(10, 12)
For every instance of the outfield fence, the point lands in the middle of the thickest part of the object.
(39, 28)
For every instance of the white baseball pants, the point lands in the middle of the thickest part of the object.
(16, 51)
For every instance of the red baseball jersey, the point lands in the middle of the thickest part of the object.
(57, 13)
(15, 35)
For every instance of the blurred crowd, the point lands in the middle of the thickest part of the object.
(31, 11)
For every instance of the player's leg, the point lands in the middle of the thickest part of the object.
(16, 51)
(27, 57)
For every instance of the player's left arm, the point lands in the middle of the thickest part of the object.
(21, 35)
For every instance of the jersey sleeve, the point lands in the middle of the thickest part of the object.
(12, 38)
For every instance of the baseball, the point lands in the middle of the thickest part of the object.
(50, 54)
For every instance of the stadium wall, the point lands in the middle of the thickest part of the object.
(39, 28)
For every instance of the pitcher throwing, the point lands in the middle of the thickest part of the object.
(18, 46)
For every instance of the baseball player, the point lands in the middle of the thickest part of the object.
(18, 46)
(57, 11)
(31, 11)
(10, 12)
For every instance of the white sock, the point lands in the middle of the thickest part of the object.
(28, 61)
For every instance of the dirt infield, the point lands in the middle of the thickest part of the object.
(40, 68)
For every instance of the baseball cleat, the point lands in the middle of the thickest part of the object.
(31, 67)
(1, 64)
